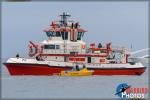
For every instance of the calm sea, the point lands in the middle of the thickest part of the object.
(66, 87)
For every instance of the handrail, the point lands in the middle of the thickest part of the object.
(138, 51)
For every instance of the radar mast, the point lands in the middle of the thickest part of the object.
(64, 19)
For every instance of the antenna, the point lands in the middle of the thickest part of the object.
(64, 18)
(131, 46)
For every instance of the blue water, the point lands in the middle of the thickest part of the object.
(66, 87)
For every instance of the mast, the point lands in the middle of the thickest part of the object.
(64, 23)
(64, 19)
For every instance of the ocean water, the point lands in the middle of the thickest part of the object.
(47, 87)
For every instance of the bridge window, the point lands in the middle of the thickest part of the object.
(49, 46)
(49, 34)
(58, 34)
(80, 34)
(53, 34)
(57, 46)
(64, 35)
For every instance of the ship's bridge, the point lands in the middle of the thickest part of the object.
(65, 30)
(64, 36)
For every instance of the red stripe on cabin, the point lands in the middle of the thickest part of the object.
(92, 45)
(76, 59)
(77, 55)
(102, 60)
(97, 49)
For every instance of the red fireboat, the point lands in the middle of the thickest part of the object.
(64, 48)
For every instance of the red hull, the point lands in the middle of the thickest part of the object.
(35, 69)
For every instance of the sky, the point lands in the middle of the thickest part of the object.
(121, 23)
